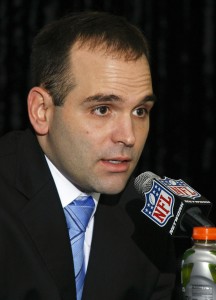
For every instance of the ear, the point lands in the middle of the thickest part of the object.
(40, 105)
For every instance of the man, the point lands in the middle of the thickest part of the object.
(89, 110)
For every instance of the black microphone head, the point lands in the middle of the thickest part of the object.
(143, 182)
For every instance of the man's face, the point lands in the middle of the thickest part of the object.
(96, 138)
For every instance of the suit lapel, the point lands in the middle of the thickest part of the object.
(111, 238)
(119, 257)
(43, 215)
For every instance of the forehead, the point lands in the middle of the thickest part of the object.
(106, 70)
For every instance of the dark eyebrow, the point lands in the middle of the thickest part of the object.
(152, 98)
(102, 98)
(111, 97)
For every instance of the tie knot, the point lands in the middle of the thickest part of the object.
(84, 201)
(79, 212)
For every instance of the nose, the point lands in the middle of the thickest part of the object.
(124, 132)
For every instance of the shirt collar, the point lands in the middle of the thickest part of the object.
(66, 190)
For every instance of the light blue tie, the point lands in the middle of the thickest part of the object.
(78, 214)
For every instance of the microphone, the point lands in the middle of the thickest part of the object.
(172, 204)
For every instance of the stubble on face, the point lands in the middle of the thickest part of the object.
(96, 138)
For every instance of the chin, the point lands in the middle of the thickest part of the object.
(109, 185)
(113, 189)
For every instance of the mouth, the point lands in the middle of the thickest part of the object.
(116, 164)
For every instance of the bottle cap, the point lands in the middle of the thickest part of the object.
(204, 233)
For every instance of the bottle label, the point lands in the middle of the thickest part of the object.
(198, 281)
(199, 292)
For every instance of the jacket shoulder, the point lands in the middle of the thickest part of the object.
(9, 141)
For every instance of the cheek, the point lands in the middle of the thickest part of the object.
(142, 133)
(94, 133)
(141, 138)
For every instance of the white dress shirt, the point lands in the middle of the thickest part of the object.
(67, 193)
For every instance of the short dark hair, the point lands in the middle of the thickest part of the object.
(51, 47)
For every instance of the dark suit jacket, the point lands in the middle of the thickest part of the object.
(129, 258)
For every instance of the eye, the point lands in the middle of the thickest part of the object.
(101, 110)
(140, 112)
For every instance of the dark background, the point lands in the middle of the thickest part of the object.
(182, 141)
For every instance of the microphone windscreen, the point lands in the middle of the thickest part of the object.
(143, 182)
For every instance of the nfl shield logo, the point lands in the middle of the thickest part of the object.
(180, 188)
(159, 204)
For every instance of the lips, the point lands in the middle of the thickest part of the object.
(116, 164)
(118, 159)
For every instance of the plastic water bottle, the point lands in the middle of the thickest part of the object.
(198, 274)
